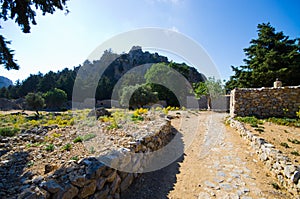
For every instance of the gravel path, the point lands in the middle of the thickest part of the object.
(217, 164)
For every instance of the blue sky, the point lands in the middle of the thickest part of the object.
(222, 27)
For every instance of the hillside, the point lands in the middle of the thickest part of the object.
(112, 66)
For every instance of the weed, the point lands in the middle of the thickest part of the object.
(88, 136)
(296, 153)
(75, 158)
(77, 139)
(284, 144)
(30, 164)
(9, 131)
(294, 141)
(92, 150)
(275, 185)
(67, 147)
(84, 138)
(49, 147)
(56, 135)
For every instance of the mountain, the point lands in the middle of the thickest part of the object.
(5, 82)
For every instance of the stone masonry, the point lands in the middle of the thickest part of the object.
(265, 102)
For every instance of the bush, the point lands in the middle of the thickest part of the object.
(8, 131)
(55, 98)
(35, 101)
(49, 147)
(67, 147)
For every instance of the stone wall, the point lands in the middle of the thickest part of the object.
(90, 178)
(265, 102)
(280, 166)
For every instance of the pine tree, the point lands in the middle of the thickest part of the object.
(272, 55)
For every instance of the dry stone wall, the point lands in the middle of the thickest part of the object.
(89, 178)
(287, 174)
(265, 102)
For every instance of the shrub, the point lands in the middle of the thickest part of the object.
(67, 147)
(77, 139)
(8, 131)
(49, 147)
(75, 158)
(35, 101)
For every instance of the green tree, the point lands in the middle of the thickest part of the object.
(23, 12)
(165, 80)
(211, 89)
(55, 98)
(35, 101)
(138, 96)
(272, 55)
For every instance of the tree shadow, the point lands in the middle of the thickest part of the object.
(156, 184)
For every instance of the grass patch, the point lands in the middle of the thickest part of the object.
(253, 121)
(284, 121)
(84, 137)
(9, 131)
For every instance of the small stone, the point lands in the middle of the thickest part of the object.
(204, 195)
(37, 180)
(49, 168)
(52, 186)
(209, 184)
(295, 177)
(226, 187)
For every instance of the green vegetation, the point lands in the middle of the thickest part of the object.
(30, 163)
(55, 98)
(138, 96)
(294, 141)
(254, 122)
(285, 121)
(284, 144)
(272, 55)
(74, 158)
(275, 185)
(10, 124)
(296, 153)
(67, 147)
(35, 101)
(86, 137)
(49, 147)
(9, 131)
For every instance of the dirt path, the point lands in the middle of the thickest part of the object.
(217, 164)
